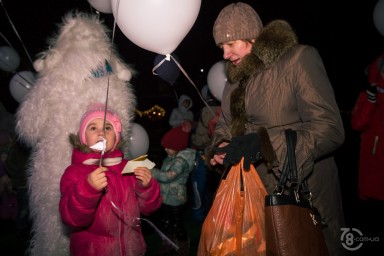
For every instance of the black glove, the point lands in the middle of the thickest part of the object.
(371, 92)
(247, 146)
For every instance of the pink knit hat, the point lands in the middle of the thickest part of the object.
(97, 110)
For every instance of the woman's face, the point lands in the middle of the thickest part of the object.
(94, 133)
(234, 51)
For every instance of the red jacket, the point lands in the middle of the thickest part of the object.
(368, 118)
(98, 228)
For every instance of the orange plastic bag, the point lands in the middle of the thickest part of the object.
(235, 223)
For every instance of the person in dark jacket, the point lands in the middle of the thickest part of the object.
(276, 83)
(101, 205)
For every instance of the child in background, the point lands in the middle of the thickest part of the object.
(183, 112)
(173, 177)
(101, 205)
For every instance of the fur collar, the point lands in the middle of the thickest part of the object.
(273, 42)
(275, 39)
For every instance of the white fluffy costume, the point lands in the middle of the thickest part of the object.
(73, 72)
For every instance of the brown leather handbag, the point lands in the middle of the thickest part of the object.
(292, 224)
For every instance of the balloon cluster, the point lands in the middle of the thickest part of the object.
(216, 79)
(9, 59)
(139, 141)
(21, 82)
(158, 26)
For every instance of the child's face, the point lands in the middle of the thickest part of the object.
(94, 133)
(186, 103)
(170, 152)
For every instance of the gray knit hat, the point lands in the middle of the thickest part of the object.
(236, 21)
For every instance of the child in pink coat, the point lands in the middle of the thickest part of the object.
(101, 205)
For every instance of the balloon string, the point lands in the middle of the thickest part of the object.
(5, 39)
(17, 34)
(107, 95)
(168, 57)
(158, 231)
(115, 18)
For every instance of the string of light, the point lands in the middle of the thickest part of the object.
(154, 112)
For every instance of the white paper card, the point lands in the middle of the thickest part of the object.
(133, 164)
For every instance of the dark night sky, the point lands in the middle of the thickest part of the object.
(344, 35)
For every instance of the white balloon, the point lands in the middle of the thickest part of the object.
(378, 16)
(217, 79)
(21, 83)
(9, 59)
(139, 141)
(156, 25)
(104, 6)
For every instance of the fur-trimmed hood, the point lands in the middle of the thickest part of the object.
(274, 40)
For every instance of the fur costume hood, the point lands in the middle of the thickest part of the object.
(80, 35)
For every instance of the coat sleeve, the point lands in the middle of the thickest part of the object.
(149, 198)
(78, 200)
(362, 113)
(321, 128)
(172, 172)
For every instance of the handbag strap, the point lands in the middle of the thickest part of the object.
(289, 167)
(291, 138)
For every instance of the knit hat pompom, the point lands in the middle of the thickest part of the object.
(177, 138)
(97, 110)
(235, 22)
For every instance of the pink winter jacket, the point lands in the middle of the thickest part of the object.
(98, 228)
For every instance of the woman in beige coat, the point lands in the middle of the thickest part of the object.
(276, 83)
